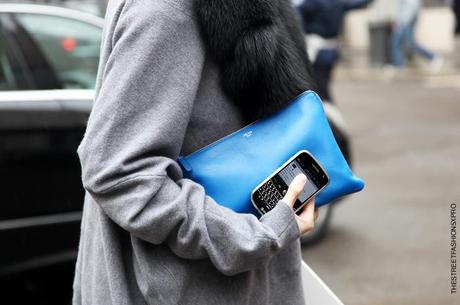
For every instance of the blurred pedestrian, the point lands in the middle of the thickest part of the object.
(322, 22)
(403, 36)
(456, 8)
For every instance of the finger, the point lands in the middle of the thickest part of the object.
(316, 214)
(311, 205)
(308, 211)
(295, 188)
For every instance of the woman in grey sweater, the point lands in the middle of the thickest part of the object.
(175, 75)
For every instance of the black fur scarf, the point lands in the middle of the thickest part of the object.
(260, 49)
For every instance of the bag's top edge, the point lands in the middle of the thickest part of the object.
(244, 127)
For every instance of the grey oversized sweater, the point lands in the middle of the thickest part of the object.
(149, 236)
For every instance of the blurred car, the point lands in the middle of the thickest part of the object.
(45, 47)
(48, 65)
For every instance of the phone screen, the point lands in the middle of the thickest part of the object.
(288, 174)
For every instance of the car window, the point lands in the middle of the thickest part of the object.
(70, 46)
(9, 75)
(5, 75)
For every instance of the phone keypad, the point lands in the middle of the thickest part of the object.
(270, 195)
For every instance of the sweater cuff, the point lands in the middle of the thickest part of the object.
(281, 219)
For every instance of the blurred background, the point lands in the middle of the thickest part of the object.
(389, 74)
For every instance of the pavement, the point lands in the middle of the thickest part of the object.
(390, 244)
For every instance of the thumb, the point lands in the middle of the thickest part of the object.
(295, 189)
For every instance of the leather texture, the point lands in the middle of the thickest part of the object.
(230, 168)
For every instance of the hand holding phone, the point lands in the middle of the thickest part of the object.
(299, 180)
(267, 194)
(309, 214)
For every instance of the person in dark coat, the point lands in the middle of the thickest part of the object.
(456, 8)
(322, 22)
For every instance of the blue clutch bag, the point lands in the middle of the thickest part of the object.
(230, 168)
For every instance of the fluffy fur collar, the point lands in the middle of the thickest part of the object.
(260, 49)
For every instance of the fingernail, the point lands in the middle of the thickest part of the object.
(303, 178)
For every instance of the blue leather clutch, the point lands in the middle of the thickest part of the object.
(230, 168)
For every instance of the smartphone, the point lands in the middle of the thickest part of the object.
(267, 194)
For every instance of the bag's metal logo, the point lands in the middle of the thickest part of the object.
(247, 134)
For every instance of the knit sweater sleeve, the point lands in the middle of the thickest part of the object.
(134, 136)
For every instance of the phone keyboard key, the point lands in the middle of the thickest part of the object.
(269, 195)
